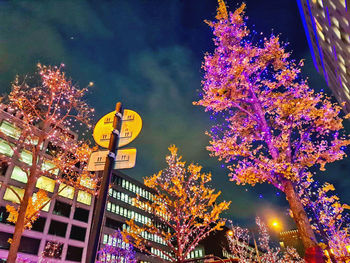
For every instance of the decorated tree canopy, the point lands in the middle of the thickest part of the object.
(44, 109)
(272, 127)
(186, 210)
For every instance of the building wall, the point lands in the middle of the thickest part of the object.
(64, 219)
(120, 208)
(327, 27)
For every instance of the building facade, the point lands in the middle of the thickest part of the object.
(326, 24)
(291, 238)
(120, 207)
(61, 232)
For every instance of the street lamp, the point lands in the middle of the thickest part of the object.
(275, 224)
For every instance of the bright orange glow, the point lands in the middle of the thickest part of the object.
(276, 224)
(230, 233)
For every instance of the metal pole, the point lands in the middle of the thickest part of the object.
(100, 205)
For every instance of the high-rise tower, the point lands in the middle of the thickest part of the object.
(326, 24)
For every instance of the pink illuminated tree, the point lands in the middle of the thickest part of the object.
(45, 107)
(239, 240)
(327, 216)
(272, 127)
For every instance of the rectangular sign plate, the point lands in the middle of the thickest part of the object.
(126, 158)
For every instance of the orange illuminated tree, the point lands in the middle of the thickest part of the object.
(186, 210)
(45, 108)
(272, 127)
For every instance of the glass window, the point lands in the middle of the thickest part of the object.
(19, 175)
(46, 183)
(81, 214)
(39, 224)
(105, 239)
(46, 207)
(10, 196)
(5, 148)
(61, 209)
(84, 197)
(77, 233)
(29, 245)
(74, 253)
(3, 167)
(66, 191)
(58, 228)
(10, 130)
(49, 166)
(26, 157)
(87, 182)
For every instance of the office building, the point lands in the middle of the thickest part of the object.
(292, 238)
(326, 23)
(120, 207)
(61, 232)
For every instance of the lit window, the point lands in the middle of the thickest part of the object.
(26, 157)
(11, 196)
(46, 207)
(84, 197)
(331, 4)
(342, 67)
(19, 175)
(49, 166)
(5, 148)
(336, 31)
(87, 182)
(319, 29)
(343, 3)
(66, 191)
(46, 183)
(335, 21)
(10, 130)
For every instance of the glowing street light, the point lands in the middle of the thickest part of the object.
(276, 224)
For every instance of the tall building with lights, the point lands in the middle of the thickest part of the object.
(121, 207)
(326, 23)
(62, 230)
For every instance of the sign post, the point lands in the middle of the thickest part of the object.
(126, 158)
(114, 130)
(100, 205)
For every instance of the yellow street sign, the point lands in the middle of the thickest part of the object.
(131, 127)
(126, 158)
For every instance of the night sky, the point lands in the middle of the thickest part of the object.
(148, 54)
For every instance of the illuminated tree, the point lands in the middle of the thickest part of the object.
(117, 251)
(186, 210)
(327, 216)
(273, 127)
(46, 107)
(239, 240)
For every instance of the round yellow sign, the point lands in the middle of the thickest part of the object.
(131, 127)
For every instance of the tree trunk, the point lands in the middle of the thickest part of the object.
(19, 227)
(313, 253)
(28, 192)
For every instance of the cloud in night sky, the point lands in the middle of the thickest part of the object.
(148, 55)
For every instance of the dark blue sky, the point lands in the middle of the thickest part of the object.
(148, 54)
